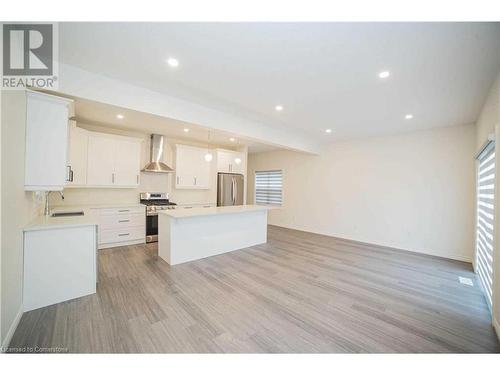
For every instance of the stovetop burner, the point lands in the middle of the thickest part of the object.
(156, 202)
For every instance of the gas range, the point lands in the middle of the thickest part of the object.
(155, 202)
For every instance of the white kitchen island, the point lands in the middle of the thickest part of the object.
(189, 234)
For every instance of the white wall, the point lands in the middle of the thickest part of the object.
(413, 191)
(18, 207)
(489, 123)
(150, 182)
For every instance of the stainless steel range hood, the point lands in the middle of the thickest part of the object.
(156, 165)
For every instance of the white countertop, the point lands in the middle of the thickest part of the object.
(89, 206)
(206, 211)
(47, 222)
(43, 222)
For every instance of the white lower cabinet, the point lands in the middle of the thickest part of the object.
(59, 265)
(121, 226)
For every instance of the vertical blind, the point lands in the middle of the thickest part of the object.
(485, 218)
(269, 187)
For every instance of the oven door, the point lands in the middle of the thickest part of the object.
(152, 227)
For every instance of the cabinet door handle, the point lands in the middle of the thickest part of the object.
(188, 207)
(195, 180)
(230, 167)
(177, 180)
(123, 221)
(113, 178)
(123, 234)
(137, 179)
(123, 210)
(71, 174)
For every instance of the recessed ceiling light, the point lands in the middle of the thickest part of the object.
(186, 130)
(384, 74)
(174, 63)
(328, 131)
(120, 116)
(232, 139)
(409, 116)
(279, 108)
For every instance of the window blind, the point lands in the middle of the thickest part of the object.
(485, 218)
(269, 187)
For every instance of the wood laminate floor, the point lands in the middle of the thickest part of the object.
(300, 292)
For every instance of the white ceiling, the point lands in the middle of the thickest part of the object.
(89, 112)
(324, 74)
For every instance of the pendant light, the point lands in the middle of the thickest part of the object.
(208, 155)
(238, 160)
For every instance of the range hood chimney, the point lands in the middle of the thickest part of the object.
(155, 164)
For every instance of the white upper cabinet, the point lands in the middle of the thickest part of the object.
(230, 162)
(46, 142)
(192, 171)
(77, 155)
(100, 161)
(113, 161)
(127, 162)
(237, 163)
(224, 161)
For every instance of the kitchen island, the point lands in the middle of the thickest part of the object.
(190, 234)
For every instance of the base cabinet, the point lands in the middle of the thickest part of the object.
(121, 226)
(59, 265)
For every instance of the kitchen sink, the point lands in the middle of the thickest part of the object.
(67, 213)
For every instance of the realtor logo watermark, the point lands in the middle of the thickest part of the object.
(30, 55)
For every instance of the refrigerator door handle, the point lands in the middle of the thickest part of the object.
(235, 192)
(232, 190)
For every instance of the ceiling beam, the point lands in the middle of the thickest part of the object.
(83, 84)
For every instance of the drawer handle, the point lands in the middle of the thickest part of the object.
(124, 234)
(123, 221)
(123, 210)
(188, 207)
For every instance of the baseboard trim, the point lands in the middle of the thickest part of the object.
(120, 244)
(452, 257)
(12, 329)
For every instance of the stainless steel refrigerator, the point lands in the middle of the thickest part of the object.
(230, 189)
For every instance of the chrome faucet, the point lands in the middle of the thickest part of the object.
(46, 210)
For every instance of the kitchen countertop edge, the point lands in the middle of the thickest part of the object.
(212, 211)
(43, 222)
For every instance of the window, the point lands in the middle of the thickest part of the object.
(269, 187)
(485, 206)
